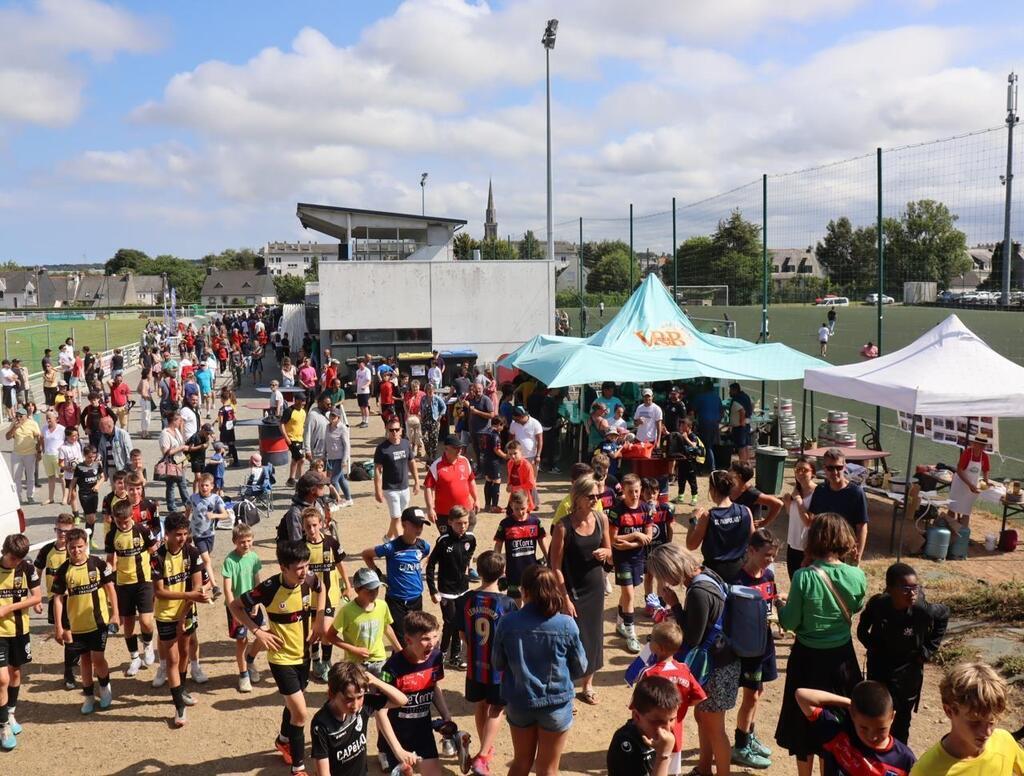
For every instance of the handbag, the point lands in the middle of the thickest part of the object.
(167, 470)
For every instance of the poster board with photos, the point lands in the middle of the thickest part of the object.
(956, 431)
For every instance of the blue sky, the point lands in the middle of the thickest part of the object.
(187, 128)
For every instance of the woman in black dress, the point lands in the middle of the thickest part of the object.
(580, 546)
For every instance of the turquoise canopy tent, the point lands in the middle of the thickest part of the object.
(651, 339)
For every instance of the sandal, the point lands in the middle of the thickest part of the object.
(588, 697)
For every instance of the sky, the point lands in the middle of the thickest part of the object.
(188, 128)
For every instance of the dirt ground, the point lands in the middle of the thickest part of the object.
(231, 733)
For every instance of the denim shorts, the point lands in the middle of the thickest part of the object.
(204, 543)
(553, 719)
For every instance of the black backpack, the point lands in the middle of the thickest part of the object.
(246, 512)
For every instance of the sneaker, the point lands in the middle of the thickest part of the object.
(462, 740)
(15, 727)
(757, 747)
(346, 503)
(198, 674)
(254, 674)
(284, 750)
(149, 655)
(180, 720)
(447, 747)
(7, 739)
(134, 666)
(216, 592)
(89, 705)
(680, 499)
(457, 663)
(632, 644)
(748, 759)
(480, 766)
(474, 576)
(69, 682)
(693, 500)
(106, 696)
(620, 626)
(244, 685)
(290, 482)
(607, 585)
(187, 698)
(321, 669)
(161, 675)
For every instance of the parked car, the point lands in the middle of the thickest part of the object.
(12, 518)
(833, 301)
(873, 299)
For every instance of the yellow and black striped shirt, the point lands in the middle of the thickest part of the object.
(175, 571)
(289, 610)
(16, 585)
(324, 557)
(131, 553)
(87, 606)
(50, 558)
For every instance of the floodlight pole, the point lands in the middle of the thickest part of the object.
(549, 43)
(632, 260)
(764, 273)
(1011, 122)
(579, 272)
(675, 258)
(423, 194)
(881, 283)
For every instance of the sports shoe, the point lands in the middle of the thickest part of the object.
(749, 759)
(198, 674)
(607, 585)
(447, 747)
(632, 644)
(161, 675)
(290, 482)
(456, 662)
(620, 626)
(134, 666)
(284, 750)
(149, 655)
(462, 740)
(15, 727)
(480, 766)
(254, 674)
(180, 720)
(346, 503)
(69, 682)
(321, 669)
(474, 576)
(693, 500)
(89, 705)
(680, 499)
(217, 592)
(187, 698)
(244, 685)
(758, 747)
(106, 696)
(7, 739)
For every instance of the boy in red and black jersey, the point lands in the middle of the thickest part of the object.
(631, 530)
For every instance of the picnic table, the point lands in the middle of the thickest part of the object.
(852, 454)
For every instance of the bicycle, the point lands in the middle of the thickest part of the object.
(871, 442)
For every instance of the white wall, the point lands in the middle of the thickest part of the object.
(489, 306)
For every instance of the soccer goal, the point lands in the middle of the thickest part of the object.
(703, 296)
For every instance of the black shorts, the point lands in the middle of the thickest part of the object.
(290, 679)
(90, 502)
(296, 448)
(135, 599)
(419, 739)
(630, 571)
(363, 399)
(93, 641)
(478, 691)
(167, 631)
(9, 396)
(15, 651)
(238, 631)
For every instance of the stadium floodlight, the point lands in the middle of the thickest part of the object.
(549, 34)
(549, 43)
(423, 194)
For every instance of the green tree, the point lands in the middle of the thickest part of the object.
(925, 245)
(497, 250)
(593, 252)
(731, 256)
(464, 245)
(290, 289)
(243, 258)
(126, 259)
(995, 278)
(313, 272)
(694, 257)
(10, 266)
(185, 277)
(849, 256)
(530, 247)
(612, 273)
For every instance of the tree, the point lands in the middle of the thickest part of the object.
(290, 289)
(995, 278)
(530, 247)
(10, 266)
(925, 245)
(312, 273)
(185, 277)
(849, 256)
(243, 258)
(464, 245)
(497, 250)
(612, 273)
(125, 260)
(694, 257)
(593, 252)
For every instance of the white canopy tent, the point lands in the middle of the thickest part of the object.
(949, 371)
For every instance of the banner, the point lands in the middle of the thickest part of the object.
(954, 431)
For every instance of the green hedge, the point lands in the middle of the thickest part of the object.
(570, 298)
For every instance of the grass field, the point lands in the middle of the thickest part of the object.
(27, 340)
(797, 326)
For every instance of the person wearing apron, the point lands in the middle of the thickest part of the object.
(972, 468)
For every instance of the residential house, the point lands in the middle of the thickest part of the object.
(284, 258)
(238, 287)
(790, 264)
(25, 288)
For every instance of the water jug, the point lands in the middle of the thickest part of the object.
(936, 542)
(959, 544)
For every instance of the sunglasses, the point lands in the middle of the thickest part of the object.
(61, 531)
(910, 588)
(391, 430)
(593, 496)
(837, 468)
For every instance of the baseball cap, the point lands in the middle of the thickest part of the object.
(452, 441)
(365, 579)
(415, 515)
(22, 411)
(519, 409)
(647, 392)
(611, 432)
(675, 389)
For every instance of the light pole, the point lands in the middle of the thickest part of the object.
(423, 194)
(1011, 122)
(549, 43)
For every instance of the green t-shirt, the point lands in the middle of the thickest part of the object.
(364, 629)
(811, 611)
(241, 570)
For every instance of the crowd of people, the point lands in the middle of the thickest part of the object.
(521, 616)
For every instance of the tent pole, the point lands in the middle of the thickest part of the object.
(778, 422)
(803, 422)
(906, 485)
(812, 418)
(583, 427)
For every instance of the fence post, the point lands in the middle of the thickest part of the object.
(881, 282)
(7, 348)
(631, 259)
(765, 280)
(106, 332)
(675, 258)
(579, 272)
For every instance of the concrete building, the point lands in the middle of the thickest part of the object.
(403, 290)
(246, 287)
(296, 258)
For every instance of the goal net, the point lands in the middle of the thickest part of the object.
(703, 296)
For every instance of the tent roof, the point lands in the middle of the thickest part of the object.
(652, 339)
(948, 371)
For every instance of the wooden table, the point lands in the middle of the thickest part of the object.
(851, 454)
(1010, 509)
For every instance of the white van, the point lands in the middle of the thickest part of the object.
(834, 301)
(12, 518)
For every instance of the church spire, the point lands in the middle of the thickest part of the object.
(490, 217)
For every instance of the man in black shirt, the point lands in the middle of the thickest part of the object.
(643, 746)
(673, 411)
(393, 463)
(339, 729)
(837, 494)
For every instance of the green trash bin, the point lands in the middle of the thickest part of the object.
(771, 462)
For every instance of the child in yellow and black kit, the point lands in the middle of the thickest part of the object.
(19, 590)
(325, 558)
(50, 558)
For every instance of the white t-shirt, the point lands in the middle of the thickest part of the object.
(52, 440)
(434, 376)
(66, 358)
(211, 364)
(796, 536)
(363, 378)
(526, 433)
(8, 378)
(647, 419)
(619, 424)
(823, 334)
